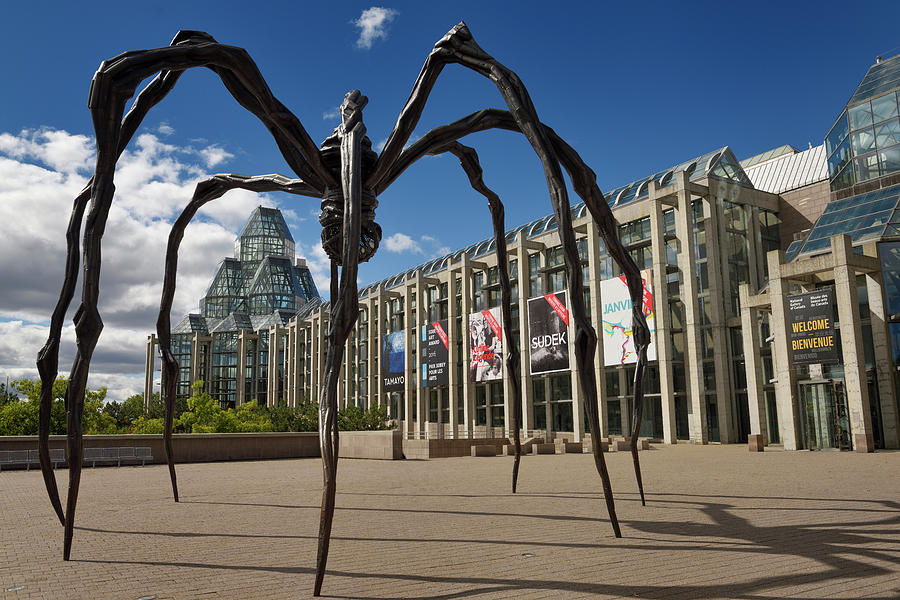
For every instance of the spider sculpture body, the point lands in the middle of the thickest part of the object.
(347, 176)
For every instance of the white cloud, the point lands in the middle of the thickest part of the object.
(373, 25)
(400, 242)
(331, 114)
(56, 149)
(165, 129)
(379, 145)
(41, 172)
(319, 265)
(426, 245)
(213, 155)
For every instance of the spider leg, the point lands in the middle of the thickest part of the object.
(344, 312)
(48, 357)
(584, 181)
(206, 191)
(113, 84)
(468, 160)
(458, 46)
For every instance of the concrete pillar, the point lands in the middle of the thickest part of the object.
(720, 297)
(785, 376)
(525, 350)
(756, 397)
(379, 316)
(884, 366)
(468, 385)
(574, 375)
(409, 388)
(275, 334)
(454, 372)
(315, 350)
(595, 311)
(662, 335)
(195, 360)
(241, 383)
(149, 365)
(856, 388)
(624, 413)
(416, 313)
(687, 266)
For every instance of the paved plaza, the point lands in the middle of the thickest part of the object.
(720, 522)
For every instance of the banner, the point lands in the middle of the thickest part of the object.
(811, 325)
(548, 333)
(485, 345)
(435, 354)
(618, 339)
(393, 361)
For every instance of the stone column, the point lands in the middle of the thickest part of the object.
(149, 364)
(275, 333)
(195, 360)
(884, 367)
(856, 388)
(377, 365)
(756, 397)
(468, 386)
(454, 335)
(241, 384)
(596, 315)
(523, 275)
(785, 375)
(412, 426)
(575, 385)
(417, 318)
(687, 266)
(662, 335)
(719, 296)
(315, 350)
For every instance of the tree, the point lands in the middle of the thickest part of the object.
(125, 413)
(20, 417)
(204, 415)
(7, 394)
(303, 417)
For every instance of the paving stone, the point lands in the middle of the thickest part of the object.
(720, 522)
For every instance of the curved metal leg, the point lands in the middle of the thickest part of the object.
(458, 46)
(468, 159)
(206, 191)
(344, 312)
(584, 182)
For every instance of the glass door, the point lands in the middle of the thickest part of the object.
(826, 424)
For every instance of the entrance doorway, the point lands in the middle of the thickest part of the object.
(826, 424)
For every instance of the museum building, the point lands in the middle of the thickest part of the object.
(772, 286)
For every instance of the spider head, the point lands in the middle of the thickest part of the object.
(332, 215)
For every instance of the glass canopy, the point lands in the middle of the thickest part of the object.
(864, 218)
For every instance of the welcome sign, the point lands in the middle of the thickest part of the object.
(811, 327)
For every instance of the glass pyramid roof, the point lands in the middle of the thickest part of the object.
(880, 78)
(864, 218)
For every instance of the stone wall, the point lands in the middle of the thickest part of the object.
(206, 447)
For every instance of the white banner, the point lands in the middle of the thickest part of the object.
(618, 338)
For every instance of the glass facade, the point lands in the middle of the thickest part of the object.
(864, 142)
(257, 288)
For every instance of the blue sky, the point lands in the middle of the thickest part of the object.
(635, 87)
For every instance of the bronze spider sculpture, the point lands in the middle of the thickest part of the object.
(347, 176)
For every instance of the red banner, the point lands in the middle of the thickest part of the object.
(495, 326)
(441, 334)
(558, 306)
